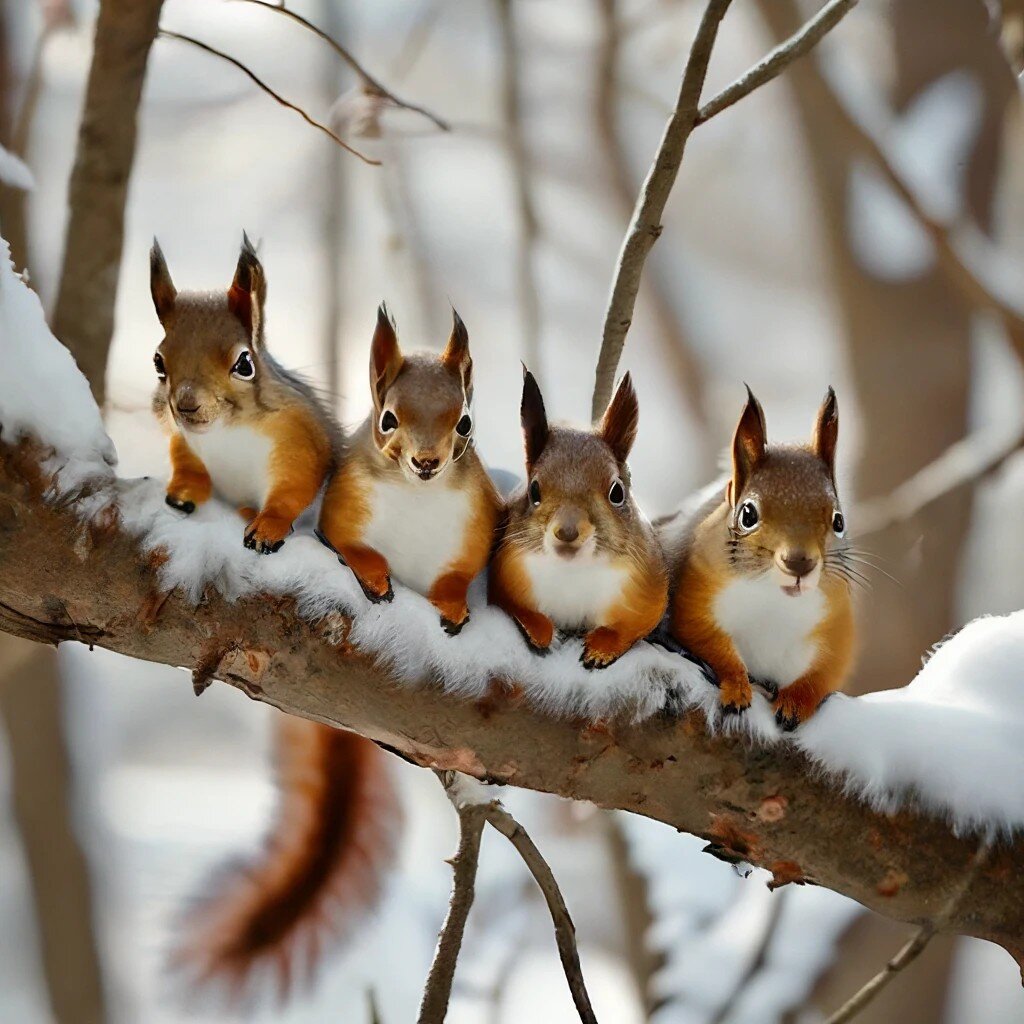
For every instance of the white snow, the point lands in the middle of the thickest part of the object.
(42, 391)
(14, 172)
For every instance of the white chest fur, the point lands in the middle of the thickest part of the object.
(771, 629)
(238, 461)
(419, 527)
(574, 594)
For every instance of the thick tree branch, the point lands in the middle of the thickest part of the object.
(59, 579)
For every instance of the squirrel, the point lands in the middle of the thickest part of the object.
(577, 553)
(410, 497)
(240, 425)
(243, 427)
(760, 582)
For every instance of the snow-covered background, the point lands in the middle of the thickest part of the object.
(169, 786)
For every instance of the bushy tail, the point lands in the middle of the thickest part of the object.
(322, 871)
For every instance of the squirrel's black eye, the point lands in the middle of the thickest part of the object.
(616, 493)
(388, 422)
(838, 523)
(243, 368)
(161, 370)
(465, 426)
(748, 516)
(535, 492)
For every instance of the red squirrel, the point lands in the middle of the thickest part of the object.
(761, 587)
(411, 498)
(240, 425)
(244, 428)
(577, 553)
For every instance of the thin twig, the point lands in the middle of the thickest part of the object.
(565, 931)
(779, 59)
(759, 959)
(369, 81)
(438, 990)
(676, 350)
(962, 464)
(645, 225)
(913, 949)
(526, 278)
(270, 92)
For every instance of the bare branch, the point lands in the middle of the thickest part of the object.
(438, 990)
(270, 92)
(370, 82)
(779, 59)
(526, 279)
(63, 579)
(645, 226)
(565, 930)
(963, 464)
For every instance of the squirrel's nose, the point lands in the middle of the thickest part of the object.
(425, 465)
(567, 532)
(798, 563)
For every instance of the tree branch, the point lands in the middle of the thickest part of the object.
(438, 990)
(645, 226)
(167, 33)
(369, 82)
(779, 59)
(61, 579)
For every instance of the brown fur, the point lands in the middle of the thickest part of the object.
(574, 470)
(330, 849)
(203, 334)
(428, 395)
(794, 489)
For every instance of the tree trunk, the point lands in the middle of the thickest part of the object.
(84, 314)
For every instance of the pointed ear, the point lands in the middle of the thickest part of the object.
(160, 284)
(385, 356)
(621, 418)
(248, 292)
(534, 420)
(749, 444)
(826, 432)
(456, 354)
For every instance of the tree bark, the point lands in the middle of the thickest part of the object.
(84, 315)
(65, 581)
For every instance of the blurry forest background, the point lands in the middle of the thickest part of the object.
(787, 262)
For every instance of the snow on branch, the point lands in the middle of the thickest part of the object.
(859, 800)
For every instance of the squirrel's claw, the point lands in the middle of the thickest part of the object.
(535, 647)
(593, 661)
(785, 721)
(261, 546)
(188, 507)
(372, 595)
(453, 628)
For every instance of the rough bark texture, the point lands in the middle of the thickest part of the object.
(61, 581)
(84, 314)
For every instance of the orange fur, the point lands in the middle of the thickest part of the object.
(509, 588)
(189, 480)
(323, 870)
(642, 607)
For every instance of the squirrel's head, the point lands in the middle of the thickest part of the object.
(421, 401)
(785, 517)
(578, 498)
(210, 361)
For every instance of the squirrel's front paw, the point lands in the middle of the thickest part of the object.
(538, 632)
(266, 534)
(795, 704)
(181, 504)
(601, 648)
(734, 695)
(453, 627)
(377, 590)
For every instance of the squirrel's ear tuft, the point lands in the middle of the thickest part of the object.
(621, 419)
(826, 432)
(749, 444)
(160, 284)
(534, 420)
(456, 354)
(247, 295)
(385, 356)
